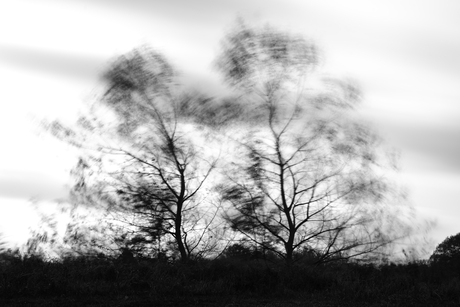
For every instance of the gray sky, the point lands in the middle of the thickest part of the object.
(405, 54)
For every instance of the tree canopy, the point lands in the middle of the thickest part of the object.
(307, 176)
(448, 251)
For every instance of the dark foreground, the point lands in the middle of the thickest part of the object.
(224, 282)
(216, 301)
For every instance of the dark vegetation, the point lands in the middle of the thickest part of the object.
(240, 277)
(274, 195)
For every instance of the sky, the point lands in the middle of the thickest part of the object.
(405, 54)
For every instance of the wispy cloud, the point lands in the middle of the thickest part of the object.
(71, 65)
(28, 184)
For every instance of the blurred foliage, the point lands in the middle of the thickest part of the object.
(282, 161)
(308, 174)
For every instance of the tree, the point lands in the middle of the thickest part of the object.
(447, 252)
(308, 174)
(303, 174)
(143, 159)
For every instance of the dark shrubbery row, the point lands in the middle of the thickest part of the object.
(417, 282)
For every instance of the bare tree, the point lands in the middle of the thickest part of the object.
(308, 175)
(144, 158)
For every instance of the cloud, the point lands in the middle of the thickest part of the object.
(26, 185)
(71, 65)
(436, 146)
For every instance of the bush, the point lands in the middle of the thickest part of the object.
(447, 255)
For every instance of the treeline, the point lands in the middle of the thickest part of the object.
(237, 277)
(240, 275)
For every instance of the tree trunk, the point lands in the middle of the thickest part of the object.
(289, 252)
(178, 232)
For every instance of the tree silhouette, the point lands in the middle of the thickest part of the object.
(308, 174)
(448, 252)
(142, 161)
